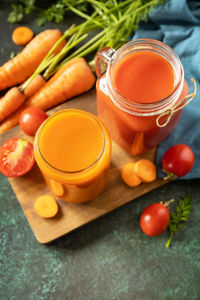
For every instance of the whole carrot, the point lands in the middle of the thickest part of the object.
(11, 121)
(74, 78)
(14, 98)
(23, 65)
(10, 102)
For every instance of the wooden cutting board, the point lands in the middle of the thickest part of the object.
(71, 216)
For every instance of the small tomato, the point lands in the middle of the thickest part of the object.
(154, 219)
(178, 160)
(30, 120)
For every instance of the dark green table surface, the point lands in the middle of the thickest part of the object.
(109, 258)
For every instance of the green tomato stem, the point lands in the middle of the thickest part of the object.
(168, 202)
(169, 240)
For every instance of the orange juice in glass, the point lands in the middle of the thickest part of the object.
(72, 149)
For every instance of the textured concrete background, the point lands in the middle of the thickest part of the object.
(109, 258)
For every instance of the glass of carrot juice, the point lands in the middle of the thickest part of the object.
(143, 80)
(72, 149)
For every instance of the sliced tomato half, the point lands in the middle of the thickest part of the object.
(16, 157)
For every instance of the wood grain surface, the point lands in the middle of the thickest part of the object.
(71, 216)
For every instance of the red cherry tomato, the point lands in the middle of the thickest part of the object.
(30, 120)
(178, 160)
(16, 157)
(154, 219)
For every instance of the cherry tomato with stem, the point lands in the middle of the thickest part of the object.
(16, 157)
(177, 161)
(154, 219)
(30, 120)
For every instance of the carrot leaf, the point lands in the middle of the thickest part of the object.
(180, 216)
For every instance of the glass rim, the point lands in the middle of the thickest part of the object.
(63, 112)
(146, 109)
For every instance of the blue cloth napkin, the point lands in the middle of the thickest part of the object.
(177, 24)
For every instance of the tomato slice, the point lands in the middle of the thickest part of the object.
(16, 157)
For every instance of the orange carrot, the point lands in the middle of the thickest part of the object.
(46, 206)
(22, 35)
(128, 175)
(74, 78)
(37, 83)
(145, 169)
(36, 80)
(23, 65)
(11, 121)
(12, 100)
(15, 97)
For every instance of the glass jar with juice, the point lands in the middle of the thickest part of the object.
(144, 79)
(72, 149)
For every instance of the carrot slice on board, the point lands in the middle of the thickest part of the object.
(22, 35)
(46, 206)
(128, 175)
(145, 169)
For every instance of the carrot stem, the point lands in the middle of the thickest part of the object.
(85, 49)
(82, 15)
(52, 68)
(169, 240)
(66, 33)
(39, 70)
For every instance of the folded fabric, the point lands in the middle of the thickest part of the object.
(177, 24)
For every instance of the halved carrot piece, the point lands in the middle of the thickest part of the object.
(46, 206)
(22, 35)
(128, 175)
(145, 169)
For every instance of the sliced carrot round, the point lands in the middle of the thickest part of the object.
(145, 169)
(128, 175)
(22, 35)
(46, 206)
